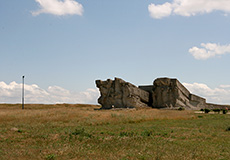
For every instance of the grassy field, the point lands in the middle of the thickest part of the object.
(80, 132)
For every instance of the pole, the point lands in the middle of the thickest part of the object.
(23, 92)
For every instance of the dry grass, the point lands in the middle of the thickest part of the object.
(85, 114)
(78, 131)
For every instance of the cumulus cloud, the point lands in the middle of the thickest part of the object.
(188, 8)
(224, 86)
(160, 11)
(59, 8)
(209, 50)
(11, 93)
(219, 95)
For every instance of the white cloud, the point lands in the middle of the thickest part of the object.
(59, 8)
(188, 7)
(224, 86)
(160, 11)
(209, 50)
(11, 93)
(218, 95)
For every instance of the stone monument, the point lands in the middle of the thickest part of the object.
(165, 93)
(120, 94)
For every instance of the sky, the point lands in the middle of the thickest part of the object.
(62, 47)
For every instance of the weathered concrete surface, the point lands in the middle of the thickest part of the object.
(197, 101)
(149, 89)
(171, 94)
(217, 106)
(120, 94)
(164, 93)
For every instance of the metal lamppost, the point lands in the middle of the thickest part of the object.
(23, 92)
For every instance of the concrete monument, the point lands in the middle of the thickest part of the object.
(165, 93)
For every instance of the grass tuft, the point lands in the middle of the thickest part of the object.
(81, 132)
(51, 157)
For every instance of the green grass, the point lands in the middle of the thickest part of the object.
(80, 132)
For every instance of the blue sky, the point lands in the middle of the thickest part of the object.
(70, 47)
